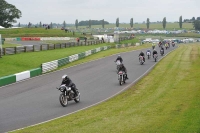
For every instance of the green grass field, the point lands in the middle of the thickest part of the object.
(169, 26)
(167, 100)
(36, 32)
(8, 44)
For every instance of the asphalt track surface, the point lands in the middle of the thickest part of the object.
(36, 100)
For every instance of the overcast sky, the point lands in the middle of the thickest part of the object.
(57, 11)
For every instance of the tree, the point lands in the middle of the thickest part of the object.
(196, 24)
(193, 18)
(131, 22)
(51, 25)
(8, 14)
(180, 22)
(90, 24)
(40, 24)
(64, 24)
(103, 23)
(76, 23)
(94, 22)
(19, 25)
(164, 22)
(117, 22)
(148, 23)
(29, 24)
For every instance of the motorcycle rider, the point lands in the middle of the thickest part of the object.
(162, 48)
(123, 69)
(148, 50)
(153, 45)
(119, 58)
(154, 52)
(68, 82)
(142, 54)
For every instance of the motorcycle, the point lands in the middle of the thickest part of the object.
(173, 44)
(162, 52)
(148, 54)
(121, 77)
(67, 95)
(141, 60)
(118, 63)
(153, 47)
(155, 56)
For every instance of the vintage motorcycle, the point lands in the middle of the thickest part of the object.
(67, 95)
(121, 77)
(141, 60)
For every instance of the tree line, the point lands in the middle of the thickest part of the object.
(9, 13)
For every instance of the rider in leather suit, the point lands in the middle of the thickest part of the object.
(68, 82)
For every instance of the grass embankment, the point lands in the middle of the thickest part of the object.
(167, 100)
(159, 26)
(12, 64)
(36, 32)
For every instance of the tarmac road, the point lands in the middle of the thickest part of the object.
(37, 100)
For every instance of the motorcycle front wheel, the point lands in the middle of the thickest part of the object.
(63, 100)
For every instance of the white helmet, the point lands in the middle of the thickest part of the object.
(64, 76)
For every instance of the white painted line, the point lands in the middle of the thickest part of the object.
(99, 101)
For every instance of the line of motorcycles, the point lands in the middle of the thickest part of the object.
(67, 93)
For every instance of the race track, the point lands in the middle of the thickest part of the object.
(37, 100)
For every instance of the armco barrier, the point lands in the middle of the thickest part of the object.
(7, 80)
(22, 75)
(48, 66)
(35, 72)
(63, 61)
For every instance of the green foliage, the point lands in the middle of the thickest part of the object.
(89, 24)
(51, 25)
(64, 25)
(164, 22)
(148, 23)
(131, 22)
(180, 22)
(117, 22)
(103, 23)
(93, 22)
(40, 24)
(8, 14)
(196, 24)
(76, 23)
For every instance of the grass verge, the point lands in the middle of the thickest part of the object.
(8, 44)
(166, 100)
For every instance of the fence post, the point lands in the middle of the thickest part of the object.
(24, 49)
(60, 46)
(54, 46)
(0, 53)
(33, 48)
(15, 50)
(4, 51)
(40, 47)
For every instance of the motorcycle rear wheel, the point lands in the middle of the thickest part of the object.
(63, 100)
(78, 98)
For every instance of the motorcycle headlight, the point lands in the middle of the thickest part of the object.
(62, 88)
